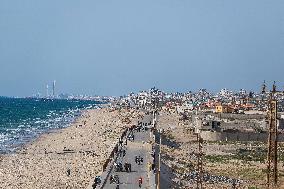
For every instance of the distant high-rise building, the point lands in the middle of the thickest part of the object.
(47, 92)
(53, 88)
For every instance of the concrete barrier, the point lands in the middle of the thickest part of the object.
(237, 136)
(240, 116)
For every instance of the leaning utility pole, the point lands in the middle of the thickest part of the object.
(199, 162)
(272, 172)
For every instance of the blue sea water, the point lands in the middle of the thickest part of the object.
(22, 120)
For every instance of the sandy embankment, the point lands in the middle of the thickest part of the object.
(83, 148)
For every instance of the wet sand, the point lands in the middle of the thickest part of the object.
(69, 157)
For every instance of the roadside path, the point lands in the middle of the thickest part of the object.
(138, 147)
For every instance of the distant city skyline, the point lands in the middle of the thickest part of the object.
(116, 47)
(268, 87)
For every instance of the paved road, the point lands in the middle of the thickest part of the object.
(138, 147)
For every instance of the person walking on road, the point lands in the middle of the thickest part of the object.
(111, 179)
(120, 142)
(129, 167)
(138, 160)
(153, 167)
(124, 153)
(140, 181)
(125, 167)
(149, 166)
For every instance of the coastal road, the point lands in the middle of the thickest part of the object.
(138, 147)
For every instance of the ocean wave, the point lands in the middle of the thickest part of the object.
(21, 125)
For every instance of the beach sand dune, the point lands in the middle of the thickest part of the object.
(67, 158)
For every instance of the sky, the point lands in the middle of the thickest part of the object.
(111, 47)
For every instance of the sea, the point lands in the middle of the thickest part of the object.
(24, 119)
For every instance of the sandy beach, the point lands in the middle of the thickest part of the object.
(69, 157)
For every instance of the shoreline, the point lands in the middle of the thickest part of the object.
(47, 131)
(82, 147)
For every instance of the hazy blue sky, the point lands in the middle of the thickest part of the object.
(112, 47)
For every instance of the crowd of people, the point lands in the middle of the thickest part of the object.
(123, 161)
(119, 166)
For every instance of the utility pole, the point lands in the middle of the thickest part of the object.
(272, 171)
(199, 162)
(159, 168)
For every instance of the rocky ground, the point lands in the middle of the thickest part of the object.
(224, 163)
